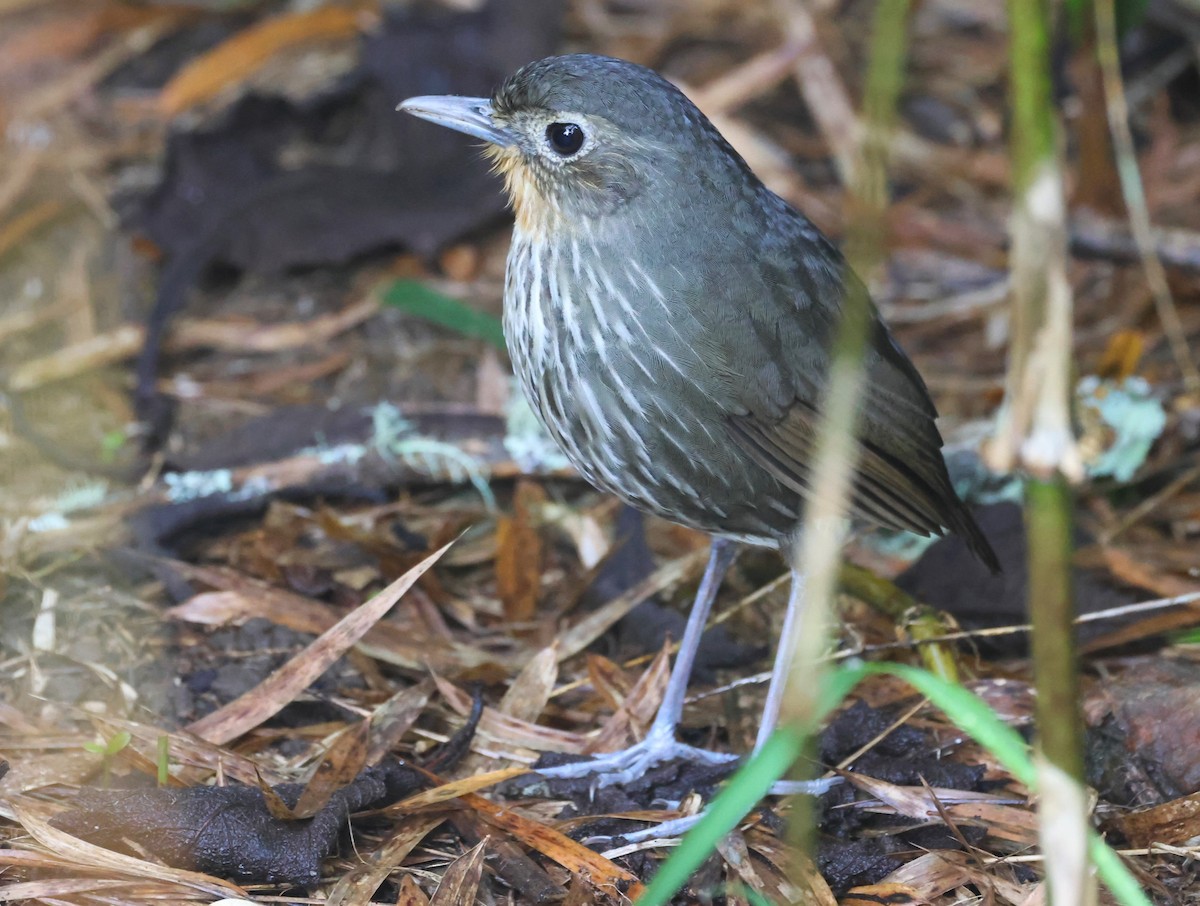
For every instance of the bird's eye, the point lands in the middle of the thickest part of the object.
(565, 138)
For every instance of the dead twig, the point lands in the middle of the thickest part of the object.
(824, 92)
(1135, 196)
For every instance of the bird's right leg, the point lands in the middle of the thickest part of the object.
(770, 719)
(660, 744)
(784, 655)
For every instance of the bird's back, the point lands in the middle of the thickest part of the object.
(769, 291)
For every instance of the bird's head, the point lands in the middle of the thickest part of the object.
(579, 137)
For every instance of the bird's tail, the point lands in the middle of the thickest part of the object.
(962, 523)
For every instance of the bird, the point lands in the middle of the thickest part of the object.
(670, 320)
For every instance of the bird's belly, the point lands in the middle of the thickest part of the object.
(657, 456)
(629, 421)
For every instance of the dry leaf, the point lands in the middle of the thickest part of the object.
(1173, 822)
(579, 893)
(276, 807)
(386, 642)
(603, 874)
(805, 883)
(934, 874)
(891, 893)
(510, 730)
(519, 555)
(611, 682)
(281, 687)
(526, 698)
(455, 789)
(1017, 826)
(356, 887)
(247, 51)
(52, 889)
(736, 854)
(395, 717)
(460, 883)
(1121, 355)
(342, 763)
(410, 894)
(639, 708)
(192, 760)
(25, 223)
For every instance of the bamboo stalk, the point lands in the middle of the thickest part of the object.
(1034, 433)
(817, 554)
(1135, 196)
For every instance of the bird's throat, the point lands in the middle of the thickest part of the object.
(535, 215)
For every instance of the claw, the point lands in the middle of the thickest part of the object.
(633, 763)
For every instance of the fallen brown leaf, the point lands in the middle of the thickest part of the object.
(519, 555)
(736, 853)
(455, 789)
(610, 681)
(1173, 822)
(805, 883)
(410, 894)
(343, 761)
(1017, 826)
(393, 718)
(511, 730)
(281, 687)
(242, 597)
(936, 873)
(244, 53)
(891, 893)
(526, 698)
(639, 707)
(358, 886)
(27, 222)
(460, 883)
(574, 857)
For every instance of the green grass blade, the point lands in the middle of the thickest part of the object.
(1116, 876)
(971, 715)
(965, 709)
(418, 299)
(733, 803)
(740, 795)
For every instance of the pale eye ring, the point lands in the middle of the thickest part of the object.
(565, 139)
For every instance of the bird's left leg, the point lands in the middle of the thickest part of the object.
(778, 685)
(770, 719)
(783, 663)
(660, 744)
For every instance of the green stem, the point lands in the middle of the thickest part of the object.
(1034, 429)
(817, 554)
(1033, 125)
(1055, 663)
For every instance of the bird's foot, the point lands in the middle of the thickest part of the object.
(633, 763)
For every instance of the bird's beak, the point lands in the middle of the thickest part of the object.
(470, 115)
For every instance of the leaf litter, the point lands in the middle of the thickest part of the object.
(221, 599)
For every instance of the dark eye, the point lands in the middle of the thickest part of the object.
(565, 138)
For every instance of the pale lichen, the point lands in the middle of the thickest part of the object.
(527, 442)
(395, 438)
(1121, 421)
